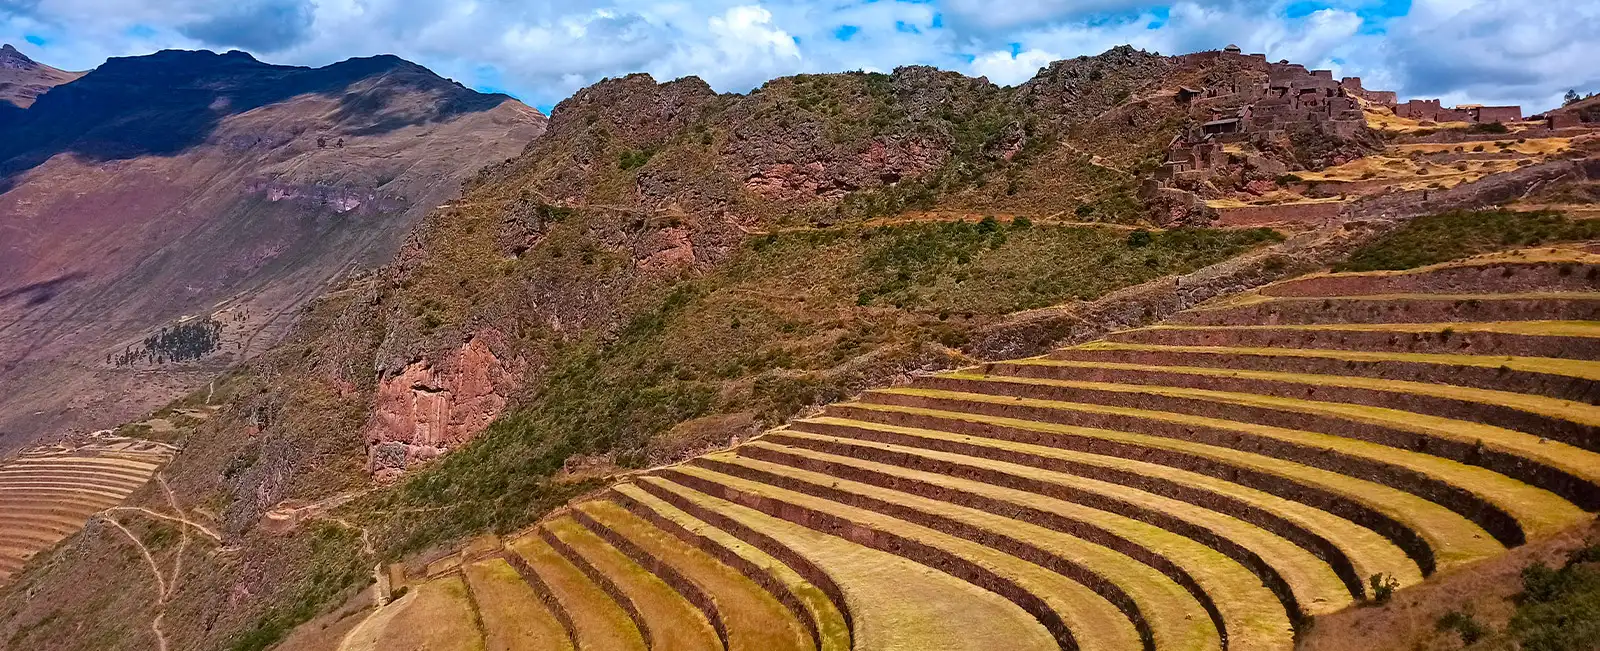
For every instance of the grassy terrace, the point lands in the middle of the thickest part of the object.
(1236, 596)
(1588, 329)
(753, 617)
(1537, 512)
(1067, 609)
(803, 598)
(1566, 420)
(598, 622)
(1576, 462)
(1140, 588)
(512, 614)
(673, 622)
(949, 613)
(1449, 538)
(1122, 510)
(1575, 368)
(1321, 533)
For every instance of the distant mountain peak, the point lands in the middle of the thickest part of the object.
(11, 59)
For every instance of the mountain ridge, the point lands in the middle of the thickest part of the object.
(237, 184)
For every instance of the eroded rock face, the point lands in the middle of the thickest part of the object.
(430, 408)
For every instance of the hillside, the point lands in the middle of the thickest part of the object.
(167, 215)
(669, 271)
(22, 80)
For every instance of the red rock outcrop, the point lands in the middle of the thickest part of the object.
(433, 407)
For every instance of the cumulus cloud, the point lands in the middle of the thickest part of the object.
(543, 50)
(260, 25)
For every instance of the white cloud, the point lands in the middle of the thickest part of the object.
(543, 50)
(1008, 69)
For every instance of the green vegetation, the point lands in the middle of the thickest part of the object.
(1382, 587)
(179, 343)
(791, 320)
(1559, 609)
(1463, 624)
(1460, 234)
(631, 159)
(335, 564)
(1488, 127)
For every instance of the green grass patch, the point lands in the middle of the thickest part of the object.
(1454, 235)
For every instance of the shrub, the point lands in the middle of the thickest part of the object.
(1464, 624)
(1559, 609)
(1459, 234)
(1289, 179)
(1488, 127)
(1383, 587)
(1021, 222)
(1139, 239)
(631, 159)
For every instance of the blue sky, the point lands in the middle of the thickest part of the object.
(1490, 51)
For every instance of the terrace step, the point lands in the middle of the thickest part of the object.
(671, 621)
(810, 603)
(1567, 471)
(1509, 509)
(433, 616)
(119, 482)
(142, 474)
(1078, 606)
(1262, 309)
(513, 616)
(39, 490)
(1564, 379)
(1547, 271)
(1432, 535)
(753, 619)
(1234, 599)
(1558, 339)
(1300, 579)
(1351, 551)
(948, 613)
(1568, 421)
(597, 621)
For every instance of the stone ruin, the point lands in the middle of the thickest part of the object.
(1430, 110)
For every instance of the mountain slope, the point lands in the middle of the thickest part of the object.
(665, 271)
(211, 187)
(22, 80)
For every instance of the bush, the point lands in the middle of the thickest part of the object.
(1383, 587)
(1559, 609)
(1459, 234)
(1464, 624)
(1139, 238)
(1488, 127)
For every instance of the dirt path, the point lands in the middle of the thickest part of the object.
(161, 583)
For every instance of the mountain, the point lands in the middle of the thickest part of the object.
(198, 200)
(668, 271)
(22, 79)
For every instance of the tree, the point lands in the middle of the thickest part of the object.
(1572, 97)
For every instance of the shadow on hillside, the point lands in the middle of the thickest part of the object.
(166, 103)
(41, 292)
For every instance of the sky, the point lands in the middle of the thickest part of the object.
(541, 51)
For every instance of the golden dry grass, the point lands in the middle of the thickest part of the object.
(598, 621)
(946, 613)
(1569, 410)
(438, 617)
(1182, 624)
(1453, 538)
(831, 627)
(1251, 613)
(1578, 368)
(513, 616)
(754, 619)
(1368, 552)
(674, 623)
